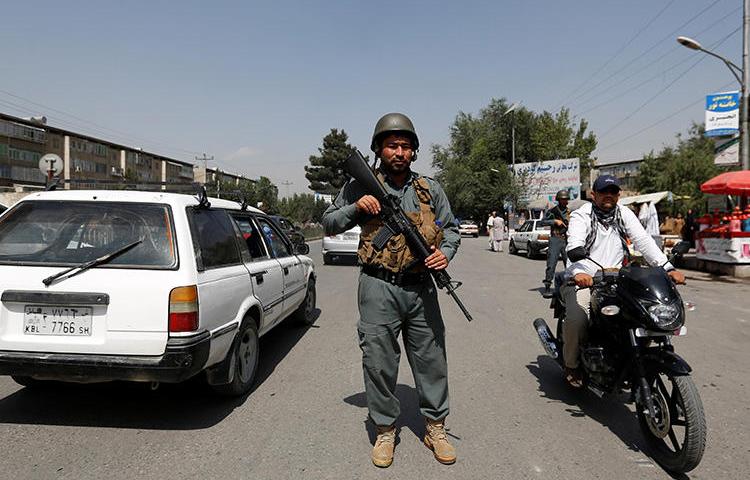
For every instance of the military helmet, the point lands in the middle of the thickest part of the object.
(562, 195)
(393, 123)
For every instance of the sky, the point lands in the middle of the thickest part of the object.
(257, 85)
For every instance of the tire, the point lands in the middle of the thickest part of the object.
(245, 353)
(530, 253)
(684, 406)
(476, 235)
(559, 341)
(305, 313)
(512, 248)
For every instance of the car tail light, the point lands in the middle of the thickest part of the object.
(183, 309)
(543, 236)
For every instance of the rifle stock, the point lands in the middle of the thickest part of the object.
(398, 223)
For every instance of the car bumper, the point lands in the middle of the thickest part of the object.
(539, 246)
(338, 247)
(184, 357)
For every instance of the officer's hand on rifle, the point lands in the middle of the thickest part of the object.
(437, 260)
(368, 204)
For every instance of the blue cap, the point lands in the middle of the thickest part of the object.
(605, 181)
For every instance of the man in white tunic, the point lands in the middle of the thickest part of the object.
(489, 229)
(599, 229)
(498, 230)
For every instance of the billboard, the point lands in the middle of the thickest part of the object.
(727, 152)
(722, 114)
(542, 180)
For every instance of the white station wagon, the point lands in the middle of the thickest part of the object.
(143, 286)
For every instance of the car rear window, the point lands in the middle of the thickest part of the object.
(214, 238)
(73, 232)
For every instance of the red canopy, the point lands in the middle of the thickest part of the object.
(729, 183)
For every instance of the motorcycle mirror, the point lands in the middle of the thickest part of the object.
(577, 254)
(681, 248)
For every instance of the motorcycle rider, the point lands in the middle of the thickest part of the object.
(601, 229)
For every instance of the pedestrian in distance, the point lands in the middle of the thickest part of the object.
(497, 230)
(395, 295)
(557, 219)
(490, 222)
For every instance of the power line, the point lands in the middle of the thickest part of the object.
(99, 127)
(681, 75)
(620, 95)
(655, 45)
(621, 49)
(668, 117)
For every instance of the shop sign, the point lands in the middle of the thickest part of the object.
(722, 114)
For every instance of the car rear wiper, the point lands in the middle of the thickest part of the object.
(90, 264)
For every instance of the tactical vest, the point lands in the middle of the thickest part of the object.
(396, 256)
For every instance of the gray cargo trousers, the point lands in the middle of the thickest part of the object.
(386, 311)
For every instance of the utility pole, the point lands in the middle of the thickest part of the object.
(744, 134)
(205, 160)
(286, 183)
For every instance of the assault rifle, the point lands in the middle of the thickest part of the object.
(396, 222)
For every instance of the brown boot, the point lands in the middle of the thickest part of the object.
(382, 452)
(436, 440)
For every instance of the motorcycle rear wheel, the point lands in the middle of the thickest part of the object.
(677, 437)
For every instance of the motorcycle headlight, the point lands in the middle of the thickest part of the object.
(664, 316)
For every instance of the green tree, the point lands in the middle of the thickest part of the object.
(473, 166)
(326, 172)
(303, 208)
(680, 169)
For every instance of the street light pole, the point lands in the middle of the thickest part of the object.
(744, 80)
(512, 109)
(744, 131)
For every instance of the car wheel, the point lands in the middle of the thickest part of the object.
(530, 253)
(305, 313)
(326, 259)
(512, 248)
(245, 353)
(476, 235)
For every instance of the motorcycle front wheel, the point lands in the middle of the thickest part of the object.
(677, 435)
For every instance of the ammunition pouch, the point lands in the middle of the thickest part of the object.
(395, 255)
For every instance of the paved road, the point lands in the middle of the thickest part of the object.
(512, 417)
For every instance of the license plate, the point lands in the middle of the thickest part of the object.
(53, 320)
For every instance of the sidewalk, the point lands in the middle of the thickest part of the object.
(708, 269)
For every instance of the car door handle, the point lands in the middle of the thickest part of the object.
(286, 270)
(259, 276)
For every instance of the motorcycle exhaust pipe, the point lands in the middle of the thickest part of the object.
(546, 338)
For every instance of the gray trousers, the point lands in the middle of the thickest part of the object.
(575, 325)
(554, 252)
(385, 312)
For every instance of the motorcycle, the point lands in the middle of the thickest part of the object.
(635, 312)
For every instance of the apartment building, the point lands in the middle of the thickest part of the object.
(88, 162)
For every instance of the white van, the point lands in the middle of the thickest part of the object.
(143, 286)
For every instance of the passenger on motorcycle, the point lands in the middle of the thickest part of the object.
(601, 229)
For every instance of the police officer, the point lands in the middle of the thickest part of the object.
(557, 218)
(396, 293)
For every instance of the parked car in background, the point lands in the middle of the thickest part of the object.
(468, 227)
(292, 232)
(531, 237)
(144, 286)
(342, 246)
